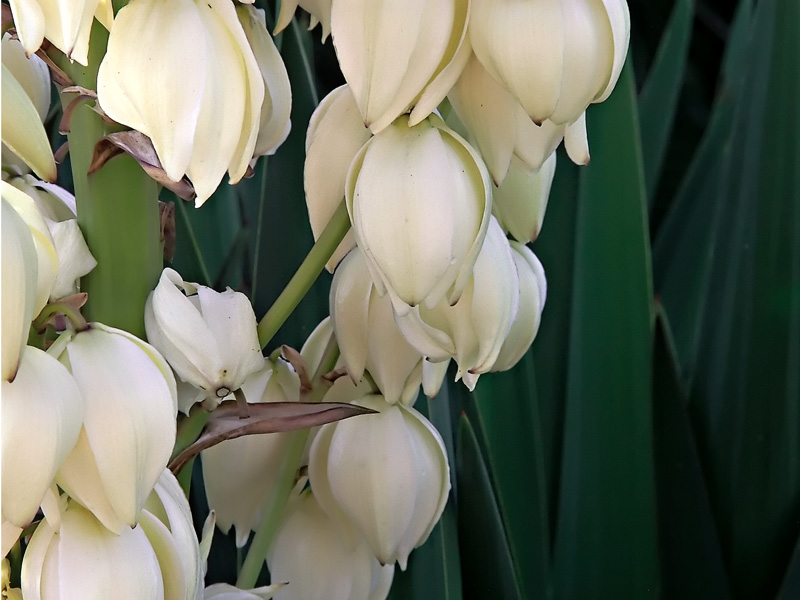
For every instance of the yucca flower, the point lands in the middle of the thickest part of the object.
(202, 107)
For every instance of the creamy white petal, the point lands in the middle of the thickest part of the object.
(336, 133)
(29, 23)
(520, 203)
(42, 412)
(576, 141)
(23, 132)
(169, 557)
(32, 73)
(74, 258)
(620, 20)
(19, 276)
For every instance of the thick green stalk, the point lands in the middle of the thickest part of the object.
(305, 276)
(285, 481)
(117, 212)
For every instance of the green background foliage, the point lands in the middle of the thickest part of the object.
(648, 446)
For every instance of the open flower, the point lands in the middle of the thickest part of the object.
(208, 337)
(202, 107)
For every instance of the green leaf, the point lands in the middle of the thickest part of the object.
(745, 392)
(555, 248)
(606, 537)
(658, 100)
(690, 554)
(507, 415)
(684, 246)
(486, 565)
(790, 588)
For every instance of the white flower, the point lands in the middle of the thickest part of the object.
(67, 24)
(226, 591)
(320, 11)
(82, 559)
(129, 428)
(472, 331)
(42, 414)
(419, 199)
(368, 336)
(208, 337)
(240, 474)
(310, 554)
(400, 54)
(386, 474)
(555, 56)
(202, 107)
(335, 134)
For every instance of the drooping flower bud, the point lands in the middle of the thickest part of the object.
(310, 554)
(202, 107)
(532, 296)
(42, 414)
(274, 124)
(83, 559)
(129, 428)
(386, 474)
(209, 338)
(240, 474)
(400, 54)
(335, 134)
(498, 123)
(520, 202)
(473, 330)
(419, 199)
(368, 336)
(555, 56)
(20, 270)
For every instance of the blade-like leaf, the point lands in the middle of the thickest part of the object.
(745, 392)
(790, 588)
(691, 558)
(486, 565)
(606, 538)
(507, 416)
(658, 100)
(226, 422)
(684, 246)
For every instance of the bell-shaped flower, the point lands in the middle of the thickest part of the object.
(202, 107)
(42, 414)
(368, 336)
(240, 474)
(473, 330)
(532, 296)
(400, 54)
(520, 202)
(167, 521)
(19, 271)
(47, 258)
(310, 554)
(497, 123)
(66, 24)
(420, 200)
(54, 202)
(80, 558)
(33, 77)
(555, 56)
(335, 134)
(386, 474)
(274, 124)
(209, 338)
(129, 428)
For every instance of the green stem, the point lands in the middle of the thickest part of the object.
(75, 316)
(285, 481)
(117, 211)
(305, 276)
